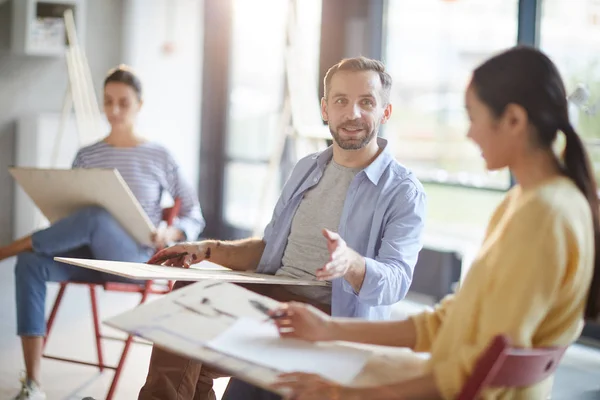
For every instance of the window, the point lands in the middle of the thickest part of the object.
(570, 36)
(257, 87)
(432, 46)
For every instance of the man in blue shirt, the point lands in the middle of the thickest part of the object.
(351, 216)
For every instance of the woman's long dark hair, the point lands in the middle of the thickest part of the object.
(525, 76)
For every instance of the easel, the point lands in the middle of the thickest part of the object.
(80, 94)
(300, 115)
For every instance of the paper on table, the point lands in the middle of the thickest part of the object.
(259, 343)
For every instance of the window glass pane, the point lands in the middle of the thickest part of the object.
(244, 205)
(570, 36)
(256, 98)
(256, 77)
(432, 47)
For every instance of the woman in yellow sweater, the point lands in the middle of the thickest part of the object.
(536, 275)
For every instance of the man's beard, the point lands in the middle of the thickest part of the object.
(356, 143)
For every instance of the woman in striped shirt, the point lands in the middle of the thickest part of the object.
(149, 170)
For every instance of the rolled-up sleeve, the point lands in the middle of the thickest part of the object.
(389, 275)
(428, 323)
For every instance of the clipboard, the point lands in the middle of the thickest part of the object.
(60, 192)
(176, 323)
(205, 270)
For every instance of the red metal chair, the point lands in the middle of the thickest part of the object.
(145, 289)
(504, 366)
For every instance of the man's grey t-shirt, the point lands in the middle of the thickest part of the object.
(306, 250)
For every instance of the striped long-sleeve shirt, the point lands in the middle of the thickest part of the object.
(148, 169)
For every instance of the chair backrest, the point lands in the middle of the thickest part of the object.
(504, 366)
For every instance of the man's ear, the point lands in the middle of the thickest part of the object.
(324, 115)
(387, 113)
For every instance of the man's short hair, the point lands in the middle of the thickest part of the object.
(357, 64)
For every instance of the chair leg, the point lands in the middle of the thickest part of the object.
(113, 385)
(57, 301)
(97, 327)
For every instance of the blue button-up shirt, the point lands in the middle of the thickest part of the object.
(382, 219)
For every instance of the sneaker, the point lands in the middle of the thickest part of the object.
(30, 391)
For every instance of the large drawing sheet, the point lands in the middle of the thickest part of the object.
(183, 323)
(258, 342)
(60, 192)
(204, 270)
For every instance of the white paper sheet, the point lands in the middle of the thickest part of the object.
(259, 343)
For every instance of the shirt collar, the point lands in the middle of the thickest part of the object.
(374, 171)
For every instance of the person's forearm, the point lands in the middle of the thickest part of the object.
(384, 333)
(356, 273)
(240, 255)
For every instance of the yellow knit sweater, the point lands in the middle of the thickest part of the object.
(529, 281)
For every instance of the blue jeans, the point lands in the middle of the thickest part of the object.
(89, 233)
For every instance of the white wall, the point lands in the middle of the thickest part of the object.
(172, 82)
